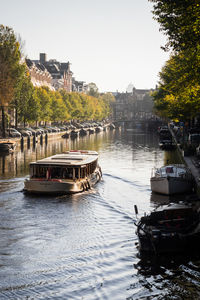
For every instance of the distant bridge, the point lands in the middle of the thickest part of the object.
(148, 123)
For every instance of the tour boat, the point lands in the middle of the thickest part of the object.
(170, 228)
(70, 172)
(172, 179)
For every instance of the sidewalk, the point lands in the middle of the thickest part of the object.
(195, 169)
(191, 162)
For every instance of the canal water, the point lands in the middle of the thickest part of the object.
(84, 246)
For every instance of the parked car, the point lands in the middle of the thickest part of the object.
(38, 130)
(48, 129)
(24, 132)
(29, 131)
(52, 129)
(33, 131)
(12, 132)
(43, 129)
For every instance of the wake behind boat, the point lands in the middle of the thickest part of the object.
(172, 179)
(69, 172)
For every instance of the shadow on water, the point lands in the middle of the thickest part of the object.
(155, 264)
(159, 199)
(174, 276)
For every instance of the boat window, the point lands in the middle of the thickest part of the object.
(38, 171)
(91, 167)
(51, 172)
(76, 173)
(67, 173)
(61, 172)
(83, 172)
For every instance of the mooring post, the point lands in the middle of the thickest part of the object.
(28, 142)
(22, 142)
(41, 139)
(46, 138)
(34, 139)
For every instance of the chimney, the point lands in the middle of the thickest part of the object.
(43, 58)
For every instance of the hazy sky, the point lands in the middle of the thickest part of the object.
(109, 42)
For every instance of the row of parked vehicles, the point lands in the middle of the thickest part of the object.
(29, 131)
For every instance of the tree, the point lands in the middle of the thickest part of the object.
(20, 91)
(44, 97)
(178, 93)
(58, 108)
(24, 101)
(10, 69)
(180, 21)
(93, 90)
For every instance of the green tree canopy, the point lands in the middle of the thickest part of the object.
(10, 68)
(177, 95)
(44, 98)
(24, 104)
(180, 21)
(93, 90)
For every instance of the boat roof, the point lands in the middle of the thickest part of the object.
(174, 167)
(7, 142)
(69, 158)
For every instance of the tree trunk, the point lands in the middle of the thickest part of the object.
(16, 117)
(3, 122)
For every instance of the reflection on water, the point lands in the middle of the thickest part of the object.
(84, 246)
(17, 163)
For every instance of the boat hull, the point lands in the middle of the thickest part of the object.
(59, 186)
(7, 147)
(171, 185)
(167, 146)
(168, 243)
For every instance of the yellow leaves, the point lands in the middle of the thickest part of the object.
(170, 98)
(176, 120)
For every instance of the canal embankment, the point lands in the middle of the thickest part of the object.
(29, 141)
(190, 161)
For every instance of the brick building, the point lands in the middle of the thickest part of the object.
(39, 74)
(135, 104)
(60, 72)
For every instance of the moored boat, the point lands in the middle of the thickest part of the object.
(172, 179)
(167, 144)
(7, 146)
(70, 172)
(112, 126)
(82, 132)
(98, 129)
(169, 229)
(74, 134)
(91, 130)
(66, 135)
